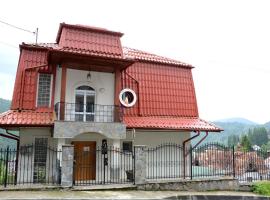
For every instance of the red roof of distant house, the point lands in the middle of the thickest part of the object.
(26, 118)
(176, 123)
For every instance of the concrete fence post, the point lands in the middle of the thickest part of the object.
(140, 164)
(67, 165)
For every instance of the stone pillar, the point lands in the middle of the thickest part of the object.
(60, 143)
(67, 165)
(140, 164)
(115, 159)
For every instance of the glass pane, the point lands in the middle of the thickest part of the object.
(44, 87)
(90, 103)
(79, 117)
(40, 160)
(90, 117)
(79, 101)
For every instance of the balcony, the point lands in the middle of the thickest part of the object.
(88, 112)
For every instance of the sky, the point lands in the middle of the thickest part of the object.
(227, 41)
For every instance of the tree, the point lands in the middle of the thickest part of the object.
(245, 143)
(258, 136)
(233, 140)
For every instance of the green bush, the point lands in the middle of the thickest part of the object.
(262, 188)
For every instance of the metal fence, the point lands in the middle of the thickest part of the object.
(29, 165)
(101, 165)
(87, 112)
(170, 161)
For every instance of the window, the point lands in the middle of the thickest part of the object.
(127, 146)
(85, 103)
(40, 158)
(44, 90)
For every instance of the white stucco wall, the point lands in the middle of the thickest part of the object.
(153, 138)
(28, 135)
(98, 81)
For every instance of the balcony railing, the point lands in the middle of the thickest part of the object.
(88, 112)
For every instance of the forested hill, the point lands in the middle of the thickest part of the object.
(4, 105)
(4, 142)
(234, 130)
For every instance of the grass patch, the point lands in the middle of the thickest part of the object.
(262, 188)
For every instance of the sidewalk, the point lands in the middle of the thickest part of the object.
(64, 194)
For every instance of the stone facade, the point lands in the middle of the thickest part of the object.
(72, 129)
(67, 165)
(227, 184)
(140, 164)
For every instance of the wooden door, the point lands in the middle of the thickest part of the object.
(85, 160)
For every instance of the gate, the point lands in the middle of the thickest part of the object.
(165, 161)
(29, 165)
(102, 165)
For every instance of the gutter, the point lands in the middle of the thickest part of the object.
(185, 154)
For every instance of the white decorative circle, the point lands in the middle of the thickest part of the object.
(127, 97)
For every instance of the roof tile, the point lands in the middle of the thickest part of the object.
(180, 123)
(26, 118)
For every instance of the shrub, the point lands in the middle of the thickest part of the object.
(262, 188)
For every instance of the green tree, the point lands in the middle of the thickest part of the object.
(258, 136)
(245, 143)
(233, 140)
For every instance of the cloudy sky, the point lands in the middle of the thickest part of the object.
(227, 41)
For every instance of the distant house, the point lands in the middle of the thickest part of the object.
(86, 89)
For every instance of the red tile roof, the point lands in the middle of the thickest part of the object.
(26, 118)
(175, 123)
(163, 90)
(149, 57)
(128, 53)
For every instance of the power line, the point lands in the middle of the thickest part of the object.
(22, 29)
(7, 44)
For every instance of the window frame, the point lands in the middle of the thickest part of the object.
(37, 93)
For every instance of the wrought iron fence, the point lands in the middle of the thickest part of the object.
(213, 160)
(88, 112)
(29, 165)
(108, 165)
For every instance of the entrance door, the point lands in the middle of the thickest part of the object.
(85, 160)
(85, 104)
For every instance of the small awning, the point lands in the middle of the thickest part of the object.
(15, 118)
(175, 123)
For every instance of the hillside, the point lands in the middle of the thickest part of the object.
(4, 105)
(4, 142)
(238, 120)
(230, 128)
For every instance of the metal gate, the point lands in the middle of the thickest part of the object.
(103, 165)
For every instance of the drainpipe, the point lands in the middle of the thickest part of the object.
(184, 150)
(206, 134)
(197, 144)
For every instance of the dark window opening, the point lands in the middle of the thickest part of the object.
(127, 146)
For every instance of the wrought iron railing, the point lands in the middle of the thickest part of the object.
(87, 112)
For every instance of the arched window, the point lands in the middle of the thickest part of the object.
(85, 103)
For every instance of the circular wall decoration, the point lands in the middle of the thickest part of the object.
(127, 97)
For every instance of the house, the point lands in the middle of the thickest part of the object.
(86, 89)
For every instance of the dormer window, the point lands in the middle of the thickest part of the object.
(44, 90)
